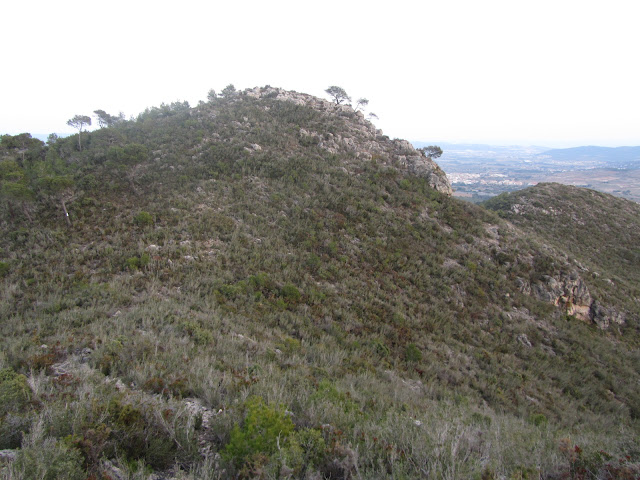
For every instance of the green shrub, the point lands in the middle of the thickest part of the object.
(538, 419)
(134, 263)
(129, 155)
(290, 293)
(4, 268)
(261, 281)
(412, 353)
(305, 449)
(481, 420)
(289, 345)
(14, 391)
(380, 348)
(12, 427)
(143, 219)
(264, 426)
(199, 335)
(139, 435)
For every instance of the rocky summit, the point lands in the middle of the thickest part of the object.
(360, 137)
(264, 285)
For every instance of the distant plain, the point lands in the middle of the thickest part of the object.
(479, 172)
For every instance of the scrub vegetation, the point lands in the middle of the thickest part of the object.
(208, 293)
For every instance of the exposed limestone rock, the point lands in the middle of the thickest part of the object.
(603, 316)
(569, 292)
(422, 166)
(524, 340)
(523, 286)
(565, 290)
(425, 167)
(8, 455)
(363, 141)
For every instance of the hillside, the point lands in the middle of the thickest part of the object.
(266, 286)
(599, 232)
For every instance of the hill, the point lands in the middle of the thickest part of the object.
(599, 232)
(617, 157)
(265, 285)
(479, 172)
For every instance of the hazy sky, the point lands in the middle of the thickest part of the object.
(557, 73)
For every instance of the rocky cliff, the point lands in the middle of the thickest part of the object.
(361, 138)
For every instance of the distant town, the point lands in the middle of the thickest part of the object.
(478, 172)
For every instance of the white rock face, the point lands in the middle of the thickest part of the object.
(569, 291)
(363, 141)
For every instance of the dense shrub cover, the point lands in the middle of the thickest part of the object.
(216, 310)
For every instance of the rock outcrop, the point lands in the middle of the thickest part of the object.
(425, 167)
(603, 316)
(568, 291)
(361, 138)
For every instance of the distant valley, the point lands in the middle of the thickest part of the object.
(478, 172)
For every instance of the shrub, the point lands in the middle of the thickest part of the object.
(14, 391)
(480, 420)
(50, 460)
(129, 155)
(289, 345)
(4, 268)
(12, 427)
(143, 219)
(199, 335)
(538, 419)
(134, 263)
(305, 450)
(264, 426)
(412, 353)
(290, 293)
(261, 281)
(380, 348)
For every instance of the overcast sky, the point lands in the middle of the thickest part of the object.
(555, 73)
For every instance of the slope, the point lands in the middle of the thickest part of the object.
(600, 232)
(271, 262)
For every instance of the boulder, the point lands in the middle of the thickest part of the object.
(603, 316)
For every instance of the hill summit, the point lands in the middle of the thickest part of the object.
(266, 286)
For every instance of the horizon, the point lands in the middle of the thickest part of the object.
(475, 72)
(549, 145)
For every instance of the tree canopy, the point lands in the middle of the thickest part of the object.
(360, 104)
(79, 122)
(106, 120)
(432, 151)
(338, 94)
(228, 91)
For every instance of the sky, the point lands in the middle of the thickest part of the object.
(555, 73)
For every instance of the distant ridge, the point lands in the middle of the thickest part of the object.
(608, 155)
(478, 146)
